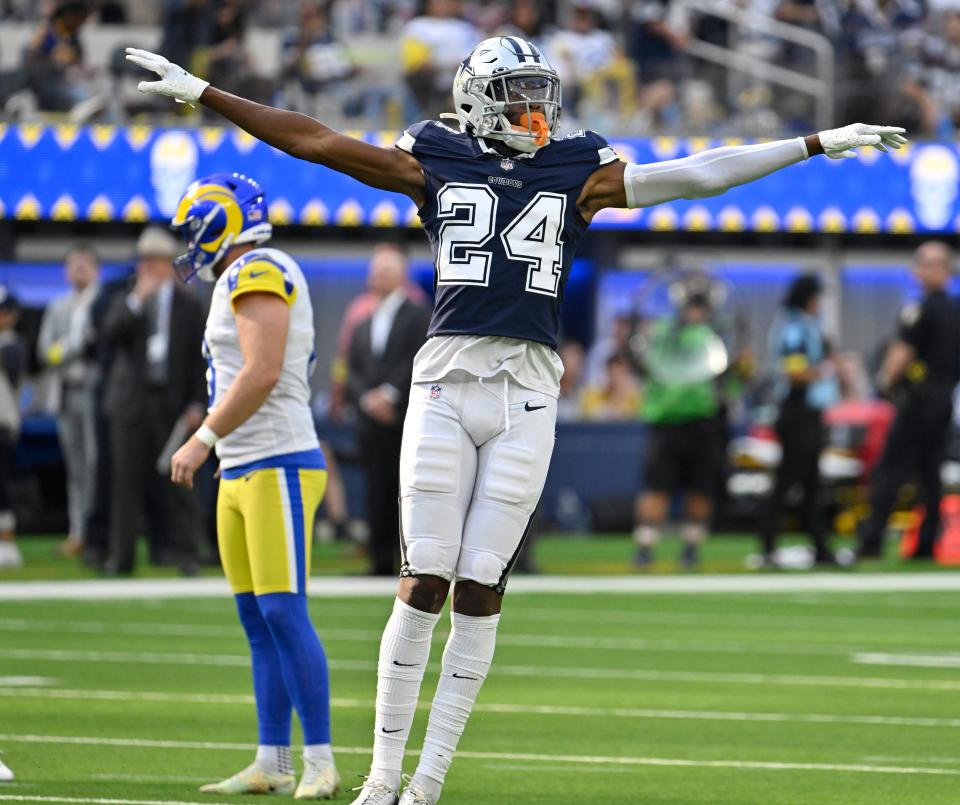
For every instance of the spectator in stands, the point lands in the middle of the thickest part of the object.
(570, 404)
(528, 21)
(64, 348)
(931, 86)
(433, 45)
(312, 57)
(680, 408)
(617, 343)
(379, 372)
(919, 373)
(814, 15)
(13, 362)
(874, 33)
(155, 396)
(804, 387)
(618, 398)
(228, 65)
(596, 75)
(187, 26)
(54, 65)
(656, 42)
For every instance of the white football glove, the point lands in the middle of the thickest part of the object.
(839, 143)
(175, 82)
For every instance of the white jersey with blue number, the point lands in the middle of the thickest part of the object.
(284, 423)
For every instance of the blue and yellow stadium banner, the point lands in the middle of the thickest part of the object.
(137, 173)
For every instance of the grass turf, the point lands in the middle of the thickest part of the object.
(675, 699)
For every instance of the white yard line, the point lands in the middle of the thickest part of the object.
(148, 778)
(947, 761)
(25, 681)
(99, 801)
(618, 644)
(510, 757)
(526, 768)
(359, 586)
(148, 629)
(726, 619)
(908, 660)
(530, 671)
(513, 709)
(140, 696)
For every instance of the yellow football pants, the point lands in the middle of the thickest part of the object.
(265, 528)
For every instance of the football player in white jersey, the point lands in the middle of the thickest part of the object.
(504, 200)
(259, 345)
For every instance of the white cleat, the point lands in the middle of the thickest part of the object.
(252, 780)
(320, 780)
(10, 557)
(5, 774)
(412, 795)
(375, 793)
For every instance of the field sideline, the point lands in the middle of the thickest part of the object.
(743, 696)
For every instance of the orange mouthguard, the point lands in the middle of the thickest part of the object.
(535, 123)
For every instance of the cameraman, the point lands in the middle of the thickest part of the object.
(919, 372)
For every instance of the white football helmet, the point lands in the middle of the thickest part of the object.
(507, 90)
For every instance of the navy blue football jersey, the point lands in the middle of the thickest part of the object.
(504, 230)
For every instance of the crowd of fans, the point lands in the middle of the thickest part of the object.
(627, 67)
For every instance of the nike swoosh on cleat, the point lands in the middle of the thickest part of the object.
(460, 676)
(405, 664)
(527, 407)
(254, 274)
(384, 729)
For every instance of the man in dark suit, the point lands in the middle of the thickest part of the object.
(379, 370)
(97, 539)
(155, 390)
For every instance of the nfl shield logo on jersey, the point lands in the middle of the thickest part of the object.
(436, 391)
(506, 164)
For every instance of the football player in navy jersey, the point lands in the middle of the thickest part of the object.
(504, 200)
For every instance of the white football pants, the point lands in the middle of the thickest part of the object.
(474, 460)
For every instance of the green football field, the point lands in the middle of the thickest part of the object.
(746, 697)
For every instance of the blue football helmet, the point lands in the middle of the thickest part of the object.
(215, 213)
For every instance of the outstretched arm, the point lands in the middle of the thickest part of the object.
(299, 135)
(712, 172)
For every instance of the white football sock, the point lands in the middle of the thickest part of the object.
(646, 536)
(274, 759)
(322, 752)
(466, 660)
(693, 533)
(404, 651)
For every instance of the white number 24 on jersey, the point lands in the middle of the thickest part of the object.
(533, 237)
